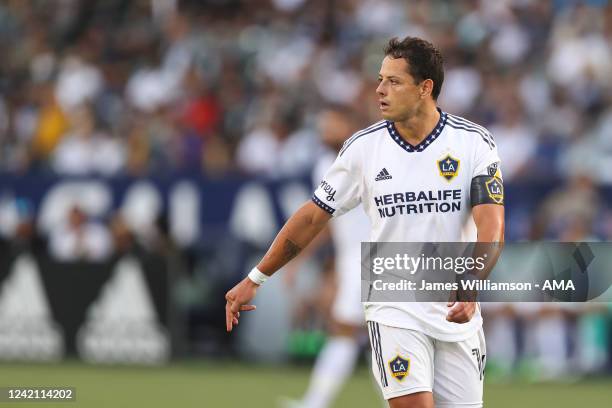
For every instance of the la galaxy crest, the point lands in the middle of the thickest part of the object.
(400, 367)
(449, 167)
(495, 189)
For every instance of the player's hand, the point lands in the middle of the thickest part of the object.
(237, 299)
(461, 312)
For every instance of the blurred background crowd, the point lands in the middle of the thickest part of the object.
(109, 87)
(227, 89)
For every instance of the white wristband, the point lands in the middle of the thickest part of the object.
(257, 276)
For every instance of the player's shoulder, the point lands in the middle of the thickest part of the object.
(362, 135)
(464, 126)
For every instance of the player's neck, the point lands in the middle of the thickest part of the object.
(418, 127)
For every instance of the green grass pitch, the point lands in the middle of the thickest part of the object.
(229, 385)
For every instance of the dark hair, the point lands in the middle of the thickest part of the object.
(424, 60)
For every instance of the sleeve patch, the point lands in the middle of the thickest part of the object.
(487, 190)
(493, 169)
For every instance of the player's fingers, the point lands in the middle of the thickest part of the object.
(247, 308)
(455, 312)
(228, 317)
(457, 318)
(235, 308)
(450, 303)
(461, 313)
(463, 318)
(235, 321)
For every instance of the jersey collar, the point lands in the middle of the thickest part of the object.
(426, 142)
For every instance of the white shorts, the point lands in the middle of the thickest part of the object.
(406, 362)
(347, 307)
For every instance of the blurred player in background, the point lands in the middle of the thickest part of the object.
(401, 169)
(337, 359)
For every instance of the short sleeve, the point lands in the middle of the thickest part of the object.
(339, 190)
(487, 162)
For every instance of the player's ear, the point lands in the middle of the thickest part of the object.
(426, 88)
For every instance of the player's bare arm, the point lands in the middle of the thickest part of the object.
(291, 270)
(489, 220)
(295, 235)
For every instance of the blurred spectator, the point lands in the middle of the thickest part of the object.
(80, 239)
(278, 149)
(17, 220)
(86, 150)
(569, 213)
(516, 141)
(123, 239)
(78, 82)
(51, 123)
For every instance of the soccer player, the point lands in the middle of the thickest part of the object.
(396, 168)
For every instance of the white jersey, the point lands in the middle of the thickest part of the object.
(413, 194)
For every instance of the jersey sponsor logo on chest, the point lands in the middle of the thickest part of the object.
(418, 202)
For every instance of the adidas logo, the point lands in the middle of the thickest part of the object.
(383, 175)
(28, 330)
(122, 325)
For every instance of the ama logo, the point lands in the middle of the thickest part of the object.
(400, 367)
(449, 167)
